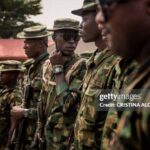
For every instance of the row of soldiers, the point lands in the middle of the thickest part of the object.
(53, 106)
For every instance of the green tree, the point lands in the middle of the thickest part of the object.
(15, 14)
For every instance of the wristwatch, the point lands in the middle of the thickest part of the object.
(57, 69)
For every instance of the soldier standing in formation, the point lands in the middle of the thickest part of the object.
(62, 80)
(124, 70)
(129, 36)
(10, 95)
(89, 123)
(36, 43)
(62, 75)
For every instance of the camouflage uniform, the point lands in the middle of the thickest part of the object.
(33, 77)
(57, 112)
(133, 130)
(60, 117)
(89, 123)
(9, 97)
(121, 74)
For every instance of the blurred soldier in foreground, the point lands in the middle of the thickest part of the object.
(124, 70)
(10, 95)
(130, 40)
(62, 80)
(89, 123)
(36, 43)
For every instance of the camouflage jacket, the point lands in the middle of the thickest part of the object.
(9, 97)
(57, 113)
(133, 131)
(89, 123)
(34, 78)
(121, 74)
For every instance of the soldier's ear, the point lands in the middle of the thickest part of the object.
(53, 37)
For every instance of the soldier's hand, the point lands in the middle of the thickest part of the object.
(17, 112)
(57, 59)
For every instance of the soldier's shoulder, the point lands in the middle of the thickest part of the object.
(28, 62)
(86, 54)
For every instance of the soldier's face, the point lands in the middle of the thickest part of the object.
(8, 77)
(32, 47)
(66, 41)
(90, 32)
(128, 24)
(104, 29)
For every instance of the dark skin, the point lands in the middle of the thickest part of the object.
(90, 31)
(106, 36)
(129, 24)
(9, 78)
(131, 34)
(35, 47)
(65, 50)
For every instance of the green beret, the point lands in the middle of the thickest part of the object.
(88, 5)
(65, 23)
(38, 31)
(11, 65)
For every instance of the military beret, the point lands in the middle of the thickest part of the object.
(88, 5)
(38, 31)
(65, 23)
(11, 65)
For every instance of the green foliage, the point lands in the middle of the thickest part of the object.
(14, 15)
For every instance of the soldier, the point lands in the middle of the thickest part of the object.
(123, 71)
(36, 43)
(62, 80)
(133, 131)
(89, 123)
(10, 95)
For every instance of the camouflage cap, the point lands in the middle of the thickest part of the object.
(65, 23)
(38, 31)
(11, 65)
(88, 5)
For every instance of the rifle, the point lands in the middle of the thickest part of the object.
(20, 140)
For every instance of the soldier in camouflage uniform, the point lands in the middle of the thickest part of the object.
(10, 95)
(133, 131)
(122, 73)
(62, 80)
(36, 43)
(89, 123)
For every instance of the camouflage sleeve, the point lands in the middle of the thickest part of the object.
(36, 87)
(89, 126)
(133, 128)
(16, 98)
(71, 97)
(41, 117)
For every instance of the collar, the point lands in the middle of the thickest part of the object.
(41, 57)
(98, 56)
